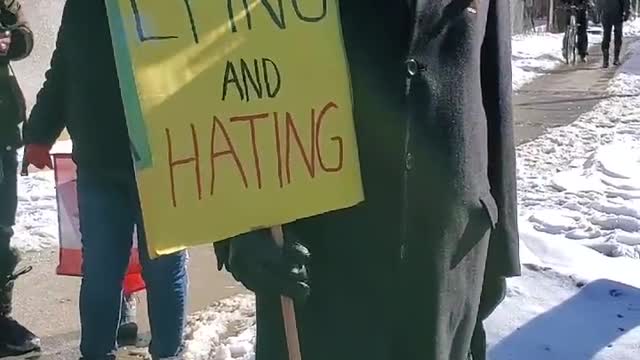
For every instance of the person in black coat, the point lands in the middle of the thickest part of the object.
(613, 14)
(16, 43)
(400, 276)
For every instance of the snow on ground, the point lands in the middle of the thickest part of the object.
(582, 181)
(533, 55)
(579, 191)
(37, 218)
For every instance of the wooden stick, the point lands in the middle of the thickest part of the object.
(288, 310)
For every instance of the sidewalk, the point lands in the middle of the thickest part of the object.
(48, 303)
(562, 95)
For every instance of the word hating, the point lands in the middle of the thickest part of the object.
(314, 156)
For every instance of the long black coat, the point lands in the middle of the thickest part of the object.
(400, 276)
(12, 103)
(613, 11)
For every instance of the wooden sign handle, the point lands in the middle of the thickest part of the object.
(288, 310)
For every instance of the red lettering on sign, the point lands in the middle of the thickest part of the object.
(276, 126)
(230, 151)
(309, 162)
(336, 139)
(193, 159)
(252, 125)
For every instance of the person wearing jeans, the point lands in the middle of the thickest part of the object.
(109, 212)
(81, 92)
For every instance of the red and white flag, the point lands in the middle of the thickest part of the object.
(69, 227)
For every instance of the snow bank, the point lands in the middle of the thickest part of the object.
(533, 55)
(582, 181)
(224, 331)
(37, 217)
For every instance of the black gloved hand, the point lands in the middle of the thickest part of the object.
(627, 15)
(261, 266)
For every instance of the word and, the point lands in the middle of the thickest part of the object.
(286, 136)
(264, 72)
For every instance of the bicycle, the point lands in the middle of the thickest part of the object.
(570, 40)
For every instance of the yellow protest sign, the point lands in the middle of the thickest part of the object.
(239, 114)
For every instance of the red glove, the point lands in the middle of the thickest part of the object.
(38, 156)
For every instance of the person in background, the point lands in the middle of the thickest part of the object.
(582, 23)
(613, 13)
(411, 272)
(16, 43)
(81, 91)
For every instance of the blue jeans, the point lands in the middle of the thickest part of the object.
(109, 209)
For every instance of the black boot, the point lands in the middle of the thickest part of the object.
(616, 57)
(605, 59)
(15, 339)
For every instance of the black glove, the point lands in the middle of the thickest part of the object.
(261, 266)
(627, 15)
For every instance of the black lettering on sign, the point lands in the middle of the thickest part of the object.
(231, 77)
(255, 79)
(271, 92)
(142, 36)
(194, 28)
(277, 17)
(303, 17)
(279, 21)
(230, 14)
(275, 12)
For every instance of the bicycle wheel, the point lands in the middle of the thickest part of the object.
(565, 46)
(573, 40)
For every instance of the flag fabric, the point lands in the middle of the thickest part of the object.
(70, 261)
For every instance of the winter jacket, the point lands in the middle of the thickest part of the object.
(12, 102)
(614, 11)
(81, 91)
(400, 275)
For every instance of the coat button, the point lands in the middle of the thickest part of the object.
(408, 161)
(412, 67)
(8, 148)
